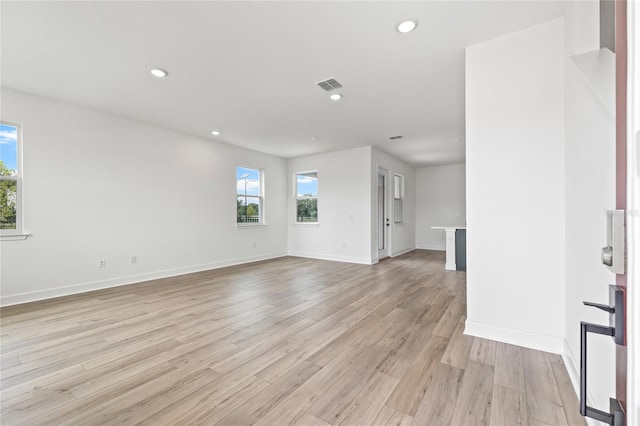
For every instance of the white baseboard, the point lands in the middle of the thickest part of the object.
(525, 339)
(346, 259)
(437, 248)
(572, 367)
(401, 252)
(33, 296)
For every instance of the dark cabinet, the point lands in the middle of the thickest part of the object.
(461, 249)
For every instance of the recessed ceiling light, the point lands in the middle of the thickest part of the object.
(336, 97)
(215, 132)
(159, 72)
(407, 25)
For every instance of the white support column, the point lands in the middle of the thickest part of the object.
(450, 236)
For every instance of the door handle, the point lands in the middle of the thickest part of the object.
(605, 308)
(615, 329)
(615, 416)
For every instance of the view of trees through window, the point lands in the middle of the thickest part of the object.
(307, 197)
(249, 195)
(8, 176)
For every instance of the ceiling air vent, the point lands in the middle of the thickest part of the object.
(393, 138)
(329, 85)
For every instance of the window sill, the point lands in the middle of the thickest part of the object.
(250, 225)
(306, 223)
(14, 237)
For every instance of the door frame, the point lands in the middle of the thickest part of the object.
(386, 219)
(632, 127)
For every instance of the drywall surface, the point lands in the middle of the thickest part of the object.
(515, 187)
(100, 187)
(590, 183)
(440, 201)
(344, 202)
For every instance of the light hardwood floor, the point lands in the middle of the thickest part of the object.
(286, 341)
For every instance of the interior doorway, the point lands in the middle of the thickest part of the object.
(383, 214)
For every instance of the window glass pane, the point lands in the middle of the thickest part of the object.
(397, 186)
(307, 210)
(397, 210)
(247, 181)
(307, 184)
(248, 209)
(8, 199)
(8, 150)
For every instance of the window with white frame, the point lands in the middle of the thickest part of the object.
(398, 198)
(250, 199)
(10, 179)
(307, 197)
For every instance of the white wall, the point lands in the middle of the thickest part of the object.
(344, 207)
(590, 183)
(440, 201)
(402, 234)
(590, 179)
(515, 187)
(97, 186)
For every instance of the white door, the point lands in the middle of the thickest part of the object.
(383, 216)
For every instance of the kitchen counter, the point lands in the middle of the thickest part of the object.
(450, 240)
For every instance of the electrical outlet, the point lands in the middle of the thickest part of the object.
(102, 263)
(134, 259)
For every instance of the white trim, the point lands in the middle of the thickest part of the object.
(633, 214)
(525, 339)
(33, 296)
(401, 252)
(437, 248)
(14, 237)
(296, 198)
(346, 259)
(386, 229)
(572, 367)
(18, 178)
(261, 214)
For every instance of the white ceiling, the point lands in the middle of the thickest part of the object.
(249, 68)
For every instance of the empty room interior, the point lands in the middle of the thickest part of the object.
(311, 213)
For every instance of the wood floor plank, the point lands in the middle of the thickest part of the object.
(309, 420)
(508, 407)
(449, 321)
(509, 367)
(66, 412)
(540, 387)
(265, 344)
(409, 393)
(484, 351)
(473, 406)
(439, 402)
(364, 409)
(567, 394)
(253, 410)
(458, 350)
(390, 417)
